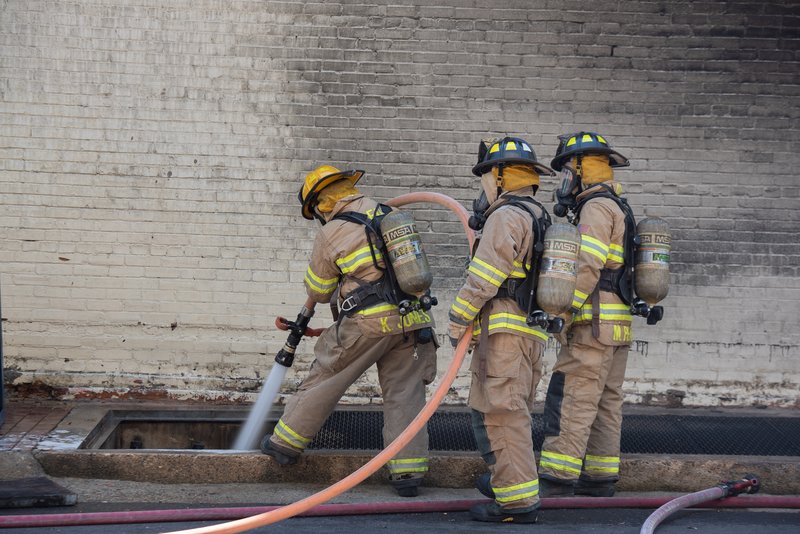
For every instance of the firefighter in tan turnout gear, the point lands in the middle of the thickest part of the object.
(369, 330)
(583, 409)
(507, 359)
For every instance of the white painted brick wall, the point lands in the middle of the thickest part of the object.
(150, 155)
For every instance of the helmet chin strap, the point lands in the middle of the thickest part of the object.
(579, 172)
(499, 180)
(318, 216)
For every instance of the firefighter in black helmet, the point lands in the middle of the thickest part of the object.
(507, 361)
(582, 413)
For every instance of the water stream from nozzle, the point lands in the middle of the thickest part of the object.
(253, 428)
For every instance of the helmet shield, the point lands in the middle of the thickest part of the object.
(568, 181)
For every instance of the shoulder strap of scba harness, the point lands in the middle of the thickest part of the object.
(384, 290)
(524, 290)
(619, 281)
(387, 289)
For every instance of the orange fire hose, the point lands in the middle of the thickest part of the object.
(443, 200)
(395, 446)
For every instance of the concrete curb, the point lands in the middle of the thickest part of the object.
(640, 473)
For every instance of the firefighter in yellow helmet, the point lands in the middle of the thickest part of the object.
(369, 330)
(507, 359)
(582, 413)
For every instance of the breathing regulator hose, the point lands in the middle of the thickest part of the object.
(395, 446)
(748, 484)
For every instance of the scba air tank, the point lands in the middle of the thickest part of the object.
(404, 248)
(651, 266)
(558, 274)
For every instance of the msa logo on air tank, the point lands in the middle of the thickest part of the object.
(564, 246)
(400, 231)
(656, 239)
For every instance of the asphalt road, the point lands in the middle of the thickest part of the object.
(606, 521)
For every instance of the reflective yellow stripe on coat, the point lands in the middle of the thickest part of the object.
(509, 322)
(484, 270)
(594, 247)
(352, 261)
(616, 253)
(323, 286)
(464, 310)
(608, 312)
(579, 298)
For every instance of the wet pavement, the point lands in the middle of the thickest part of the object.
(27, 423)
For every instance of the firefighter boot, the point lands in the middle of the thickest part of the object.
(283, 458)
(406, 485)
(595, 488)
(556, 488)
(494, 513)
(483, 483)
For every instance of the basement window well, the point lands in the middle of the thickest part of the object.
(450, 430)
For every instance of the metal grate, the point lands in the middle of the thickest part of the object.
(644, 434)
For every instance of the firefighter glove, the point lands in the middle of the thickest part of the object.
(568, 317)
(455, 331)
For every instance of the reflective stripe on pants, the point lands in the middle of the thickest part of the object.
(583, 427)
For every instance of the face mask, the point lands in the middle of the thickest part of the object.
(479, 207)
(567, 189)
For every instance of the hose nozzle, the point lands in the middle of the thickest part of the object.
(748, 484)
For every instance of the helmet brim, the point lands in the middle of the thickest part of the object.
(353, 176)
(615, 159)
(482, 168)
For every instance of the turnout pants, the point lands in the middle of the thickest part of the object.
(583, 410)
(504, 381)
(402, 375)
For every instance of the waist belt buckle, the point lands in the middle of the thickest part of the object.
(349, 304)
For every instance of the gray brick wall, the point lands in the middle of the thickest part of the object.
(150, 155)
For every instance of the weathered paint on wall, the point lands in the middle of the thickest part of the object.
(151, 155)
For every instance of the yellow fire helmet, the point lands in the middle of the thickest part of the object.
(319, 179)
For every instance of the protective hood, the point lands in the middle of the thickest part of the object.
(331, 194)
(594, 169)
(516, 177)
(490, 186)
